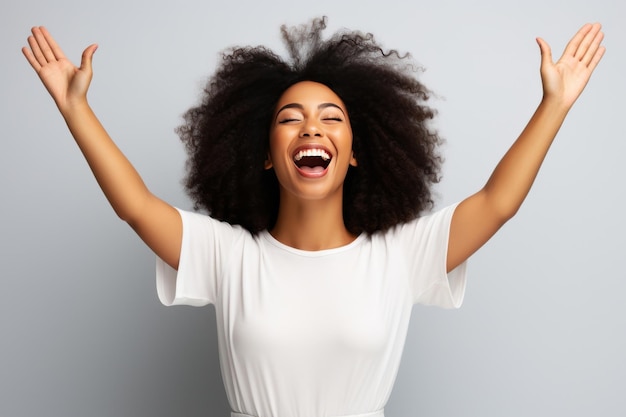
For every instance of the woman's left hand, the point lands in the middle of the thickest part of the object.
(566, 79)
(479, 216)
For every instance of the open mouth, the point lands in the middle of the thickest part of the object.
(312, 160)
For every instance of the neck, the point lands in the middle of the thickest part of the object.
(311, 225)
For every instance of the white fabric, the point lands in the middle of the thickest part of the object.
(311, 334)
(379, 413)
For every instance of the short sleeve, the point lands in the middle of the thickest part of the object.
(425, 241)
(203, 251)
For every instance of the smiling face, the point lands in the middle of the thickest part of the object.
(310, 142)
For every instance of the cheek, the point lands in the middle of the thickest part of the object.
(276, 153)
(346, 141)
(279, 141)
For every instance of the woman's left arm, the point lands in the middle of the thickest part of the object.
(478, 217)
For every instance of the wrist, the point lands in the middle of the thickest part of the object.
(73, 107)
(555, 105)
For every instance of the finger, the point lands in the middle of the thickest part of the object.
(586, 42)
(574, 43)
(593, 48)
(54, 47)
(36, 51)
(31, 58)
(43, 45)
(596, 58)
(87, 58)
(546, 52)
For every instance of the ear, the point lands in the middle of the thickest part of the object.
(353, 160)
(268, 162)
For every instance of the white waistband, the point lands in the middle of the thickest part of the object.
(379, 413)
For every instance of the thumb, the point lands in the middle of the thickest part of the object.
(546, 52)
(87, 58)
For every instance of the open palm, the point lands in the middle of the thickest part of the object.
(566, 79)
(65, 82)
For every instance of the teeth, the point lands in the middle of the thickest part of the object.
(312, 152)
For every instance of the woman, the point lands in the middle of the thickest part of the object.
(315, 173)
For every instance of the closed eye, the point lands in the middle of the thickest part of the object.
(287, 120)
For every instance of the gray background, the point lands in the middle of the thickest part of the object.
(82, 332)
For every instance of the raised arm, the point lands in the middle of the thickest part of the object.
(156, 222)
(479, 217)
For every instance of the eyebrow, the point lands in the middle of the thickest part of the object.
(301, 107)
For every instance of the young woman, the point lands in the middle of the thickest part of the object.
(315, 173)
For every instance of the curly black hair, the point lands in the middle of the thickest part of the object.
(227, 135)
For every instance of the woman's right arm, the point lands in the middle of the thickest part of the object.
(157, 223)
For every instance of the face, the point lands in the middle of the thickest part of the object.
(310, 142)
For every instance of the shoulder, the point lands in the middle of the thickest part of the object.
(202, 227)
(437, 221)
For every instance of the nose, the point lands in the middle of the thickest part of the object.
(311, 129)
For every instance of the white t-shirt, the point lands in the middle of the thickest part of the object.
(311, 333)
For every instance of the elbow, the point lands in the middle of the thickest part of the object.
(502, 204)
(505, 210)
(130, 213)
(131, 210)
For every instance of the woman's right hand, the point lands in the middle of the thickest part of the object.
(156, 222)
(66, 83)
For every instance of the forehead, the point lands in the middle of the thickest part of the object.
(309, 92)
